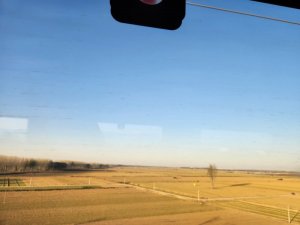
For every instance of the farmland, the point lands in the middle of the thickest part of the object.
(135, 195)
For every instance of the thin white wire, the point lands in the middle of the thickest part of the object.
(242, 13)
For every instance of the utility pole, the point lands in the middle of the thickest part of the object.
(289, 215)
(198, 190)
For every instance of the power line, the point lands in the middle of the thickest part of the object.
(243, 13)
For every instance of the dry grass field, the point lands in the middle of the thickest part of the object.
(82, 206)
(150, 195)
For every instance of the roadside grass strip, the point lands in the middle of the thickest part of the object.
(52, 188)
(11, 182)
(271, 211)
(4, 182)
(19, 182)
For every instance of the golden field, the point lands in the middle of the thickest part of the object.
(150, 195)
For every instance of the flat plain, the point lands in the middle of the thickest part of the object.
(150, 195)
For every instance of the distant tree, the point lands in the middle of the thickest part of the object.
(24, 165)
(212, 174)
(32, 164)
(5, 168)
(60, 165)
(102, 166)
(50, 165)
(9, 164)
(87, 166)
(57, 165)
(72, 164)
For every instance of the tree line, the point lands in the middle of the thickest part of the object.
(9, 164)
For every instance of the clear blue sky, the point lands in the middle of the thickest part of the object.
(223, 89)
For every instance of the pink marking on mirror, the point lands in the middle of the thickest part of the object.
(151, 2)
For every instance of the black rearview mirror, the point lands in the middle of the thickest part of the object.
(165, 14)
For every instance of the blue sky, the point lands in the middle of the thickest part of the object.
(222, 89)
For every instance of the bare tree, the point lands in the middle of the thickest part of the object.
(212, 174)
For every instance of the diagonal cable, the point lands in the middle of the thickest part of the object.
(243, 13)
